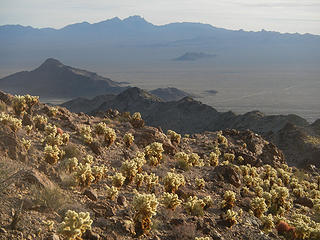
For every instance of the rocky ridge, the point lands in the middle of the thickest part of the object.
(238, 169)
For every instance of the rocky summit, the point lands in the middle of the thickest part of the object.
(67, 175)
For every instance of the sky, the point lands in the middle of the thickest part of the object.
(302, 16)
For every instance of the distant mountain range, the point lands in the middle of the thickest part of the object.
(56, 80)
(193, 56)
(134, 40)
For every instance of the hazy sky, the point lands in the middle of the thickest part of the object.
(279, 15)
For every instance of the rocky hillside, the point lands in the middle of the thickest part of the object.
(72, 176)
(55, 80)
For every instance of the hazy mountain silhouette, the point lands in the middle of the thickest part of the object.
(135, 40)
(56, 80)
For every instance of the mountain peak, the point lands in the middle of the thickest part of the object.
(136, 19)
(51, 62)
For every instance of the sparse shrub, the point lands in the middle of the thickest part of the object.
(129, 169)
(3, 106)
(118, 180)
(229, 200)
(153, 153)
(74, 225)
(14, 123)
(145, 207)
(195, 206)
(173, 181)
(112, 192)
(200, 183)
(258, 206)
(170, 200)
(52, 154)
(174, 137)
(128, 139)
(40, 122)
(71, 150)
(50, 198)
(230, 217)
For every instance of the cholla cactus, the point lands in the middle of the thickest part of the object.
(28, 128)
(182, 160)
(129, 169)
(222, 139)
(14, 123)
(229, 157)
(240, 159)
(74, 225)
(53, 111)
(195, 160)
(83, 175)
(71, 164)
(202, 238)
(98, 172)
(229, 200)
(145, 207)
(258, 206)
(109, 136)
(31, 101)
(208, 201)
(53, 137)
(200, 183)
(230, 217)
(85, 133)
(40, 121)
(88, 159)
(52, 154)
(139, 178)
(195, 206)
(213, 159)
(112, 192)
(140, 161)
(19, 105)
(154, 152)
(170, 200)
(280, 199)
(151, 181)
(128, 139)
(173, 181)
(49, 224)
(267, 223)
(136, 120)
(174, 137)
(26, 144)
(118, 180)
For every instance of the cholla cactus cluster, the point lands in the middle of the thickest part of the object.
(229, 157)
(258, 206)
(52, 154)
(185, 161)
(222, 139)
(74, 225)
(213, 159)
(108, 134)
(86, 134)
(145, 207)
(26, 144)
(128, 139)
(153, 153)
(129, 169)
(21, 104)
(83, 175)
(71, 164)
(112, 192)
(229, 200)
(40, 122)
(53, 137)
(173, 181)
(200, 183)
(118, 180)
(195, 206)
(136, 120)
(230, 217)
(170, 200)
(174, 137)
(14, 123)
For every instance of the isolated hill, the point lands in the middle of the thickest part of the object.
(56, 80)
(193, 56)
(170, 94)
(136, 41)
